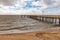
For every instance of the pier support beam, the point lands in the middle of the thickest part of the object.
(59, 21)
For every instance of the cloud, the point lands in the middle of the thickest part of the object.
(51, 2)
(51, 7)
(29, 6)
(7, 2)
(52, 10)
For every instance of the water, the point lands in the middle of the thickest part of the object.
(18, 24)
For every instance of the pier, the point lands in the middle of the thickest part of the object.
(54, 19)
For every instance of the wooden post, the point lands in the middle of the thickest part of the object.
(59, 21)
(42, 18)
(52, 20)
(45, 19)
(55, 21)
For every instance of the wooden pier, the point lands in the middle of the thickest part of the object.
(54, 19)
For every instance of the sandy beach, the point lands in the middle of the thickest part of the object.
(45, 35)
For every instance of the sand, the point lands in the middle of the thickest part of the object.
(45, 35)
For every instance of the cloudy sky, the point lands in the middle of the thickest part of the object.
(38, 7)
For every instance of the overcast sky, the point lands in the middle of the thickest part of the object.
(47, 7)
